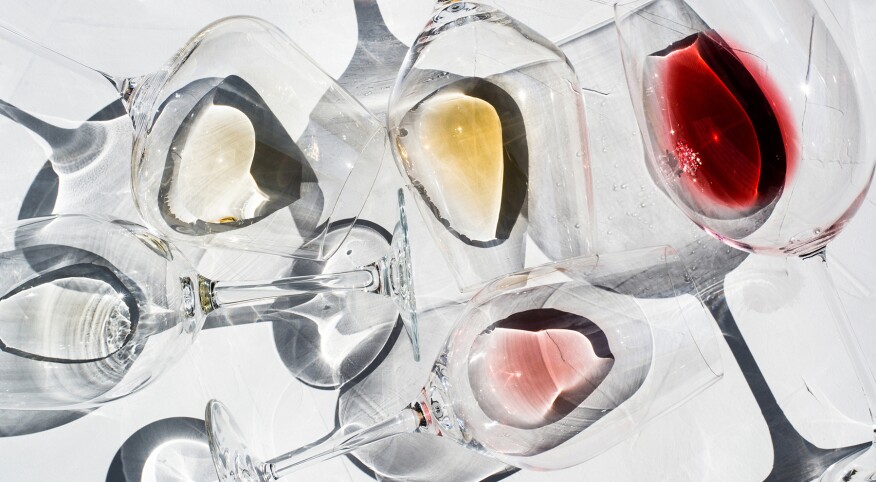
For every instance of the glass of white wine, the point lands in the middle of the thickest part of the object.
(240, 140)
(486, 120)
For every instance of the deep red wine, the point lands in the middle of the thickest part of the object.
(721, 125)
(535, 367)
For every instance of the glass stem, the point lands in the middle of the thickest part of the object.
(215, 294)
(407, 421)
(847, 335)
(123, 85)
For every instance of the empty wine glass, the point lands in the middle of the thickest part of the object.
(93, 310)
(545, 368)
(240, 140)
(756, 125)
(486, 120)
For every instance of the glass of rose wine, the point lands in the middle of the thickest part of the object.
(544, 369)
(240, 140)
(756, 123)
(486, 121)
(92, 310)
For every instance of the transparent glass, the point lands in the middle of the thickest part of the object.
(93, 310)
(486, 121)
(545, 369)
(756, 121)
(240, 140)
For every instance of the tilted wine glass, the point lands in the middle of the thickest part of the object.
(544, 369)
(756, 123)
(486, 121)
(93, 310)
(239, 140)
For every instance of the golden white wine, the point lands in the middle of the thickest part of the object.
(465, 148)
(231, 161)
(461, 137)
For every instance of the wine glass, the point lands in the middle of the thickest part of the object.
(756, 125)
(545, 368)
(239, 140)
(486, 120)
(93, 310)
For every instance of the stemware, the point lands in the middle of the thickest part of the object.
(239, 140)
(545, 368)
(756, 125)
(93, 310)
(486, 121)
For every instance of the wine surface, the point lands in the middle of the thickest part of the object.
(464, 148)
(463, 135)
(535, 367)
(231, 161)
(214, 182)
(719, 125)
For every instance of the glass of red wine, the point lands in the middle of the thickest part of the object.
(545, 368)
(755, 124)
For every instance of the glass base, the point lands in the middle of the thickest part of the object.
(401, 276)
(857, 467)
(231, 456)
(339, 335)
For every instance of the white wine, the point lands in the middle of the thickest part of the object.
(214, 183)
(461, 141)
(464, 147)
(231, 161)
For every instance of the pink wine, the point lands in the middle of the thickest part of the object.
(535, 367)
(721, 123)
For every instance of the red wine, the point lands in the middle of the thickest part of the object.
(534, 367)
(721, 124)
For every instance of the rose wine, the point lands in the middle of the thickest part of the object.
(535, 367)
(464, 147)
(721, 124)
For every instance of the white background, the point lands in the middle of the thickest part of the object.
(719, 435)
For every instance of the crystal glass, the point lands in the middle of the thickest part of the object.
(754, 128)
(756, 122)
(239, 140)
(486, 121)
(93, 310)
(545, 368)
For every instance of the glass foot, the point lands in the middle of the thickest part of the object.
(857, 467)
(338, 335)
(401, 277)
(231, 456)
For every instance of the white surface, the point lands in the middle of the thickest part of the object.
(720, 435)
